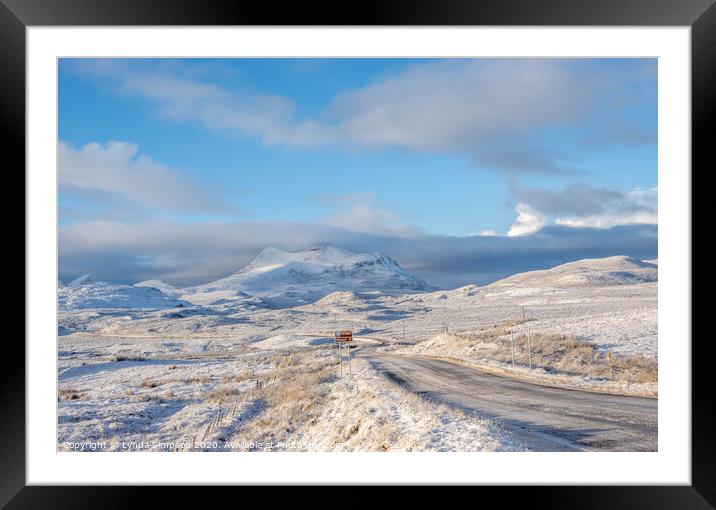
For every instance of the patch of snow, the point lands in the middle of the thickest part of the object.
(88, 294)
(287, 341)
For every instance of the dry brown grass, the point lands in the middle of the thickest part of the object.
(504, 328)
(302, 405)
(204, 379)
(292, 395)
(561, 354)
(151, 398)
(120, 357)
(567, 354)
(70, 394)
(223, 393)
(239, 378)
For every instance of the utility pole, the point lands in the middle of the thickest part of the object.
(529, 345)
(512, 341)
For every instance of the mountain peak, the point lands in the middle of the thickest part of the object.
(318, 253)
(159, 284)
(271, 250)
(322, 246)
(325, 251)
(290, 278)
(81, 281)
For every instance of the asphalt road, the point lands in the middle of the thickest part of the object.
(543, 418)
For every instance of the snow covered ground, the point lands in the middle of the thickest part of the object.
(618, 318)
(200, 396)
(151, 361)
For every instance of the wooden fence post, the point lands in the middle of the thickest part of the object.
(350, 364)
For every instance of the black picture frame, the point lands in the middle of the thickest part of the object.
(700, 15)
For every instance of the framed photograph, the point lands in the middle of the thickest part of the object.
(430, 245)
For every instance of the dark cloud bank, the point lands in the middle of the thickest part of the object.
(198, 253)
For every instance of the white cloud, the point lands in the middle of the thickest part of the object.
(583, 205)
(484, 109)
(635, 207)
(269, 117)
(455, 104)
(117, 168)
(488, 232)
(528, 221)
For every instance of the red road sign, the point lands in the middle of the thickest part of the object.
(344, 336)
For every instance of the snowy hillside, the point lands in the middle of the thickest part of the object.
(167, 289)
(619, 270)
(281, 278)
(85, 279)
(86, 293)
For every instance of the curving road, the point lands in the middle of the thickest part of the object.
(544, 418)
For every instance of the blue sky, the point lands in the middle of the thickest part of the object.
(388, 151)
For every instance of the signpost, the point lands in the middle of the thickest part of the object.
(344, 337)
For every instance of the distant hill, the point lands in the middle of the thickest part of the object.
(84, 292)
(618, 270)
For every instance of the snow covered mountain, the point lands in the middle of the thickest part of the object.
(167, 289)
(279, 278)
(618, 270)
(85, 279)
(86, 293)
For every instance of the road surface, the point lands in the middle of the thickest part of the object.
(543, 418)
